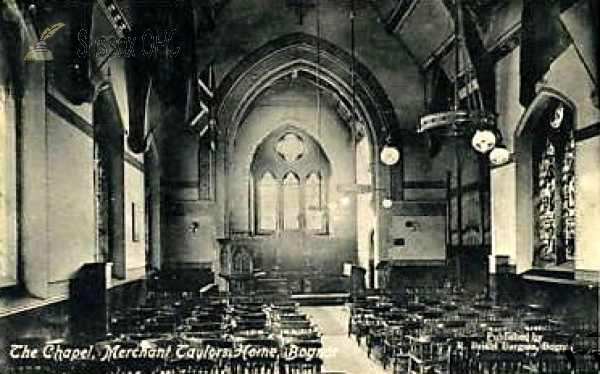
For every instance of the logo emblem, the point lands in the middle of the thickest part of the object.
(40, 52)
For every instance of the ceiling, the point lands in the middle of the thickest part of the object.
(398, 42)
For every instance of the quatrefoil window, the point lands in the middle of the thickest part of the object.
(290, 147)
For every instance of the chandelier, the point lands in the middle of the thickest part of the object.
(467, 117)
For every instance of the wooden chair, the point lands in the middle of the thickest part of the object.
(429, 355)
(375, 338)
(401, 363)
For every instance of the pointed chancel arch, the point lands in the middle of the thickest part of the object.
(351, 96)
(329, 67)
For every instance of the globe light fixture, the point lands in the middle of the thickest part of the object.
(499, 156)
(389, 155)
(483, 141)
(387, 203)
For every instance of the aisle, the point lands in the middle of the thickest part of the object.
(349, 357)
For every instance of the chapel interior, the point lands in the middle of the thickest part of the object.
(413, 185)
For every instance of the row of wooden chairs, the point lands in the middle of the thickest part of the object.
(198, 322)
(448, 333)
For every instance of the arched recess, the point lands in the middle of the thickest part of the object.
(330, 68)
(537, 125)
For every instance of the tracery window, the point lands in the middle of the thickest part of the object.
(290, 147)
(554, 189)
(289, 173)
(267, 201)
(291, 202)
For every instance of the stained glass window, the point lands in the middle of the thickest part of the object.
(546, 206)
(568, 198)
(554, 160)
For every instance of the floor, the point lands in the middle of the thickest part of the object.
(341, 353)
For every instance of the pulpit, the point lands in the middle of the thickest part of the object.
(237, 267)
